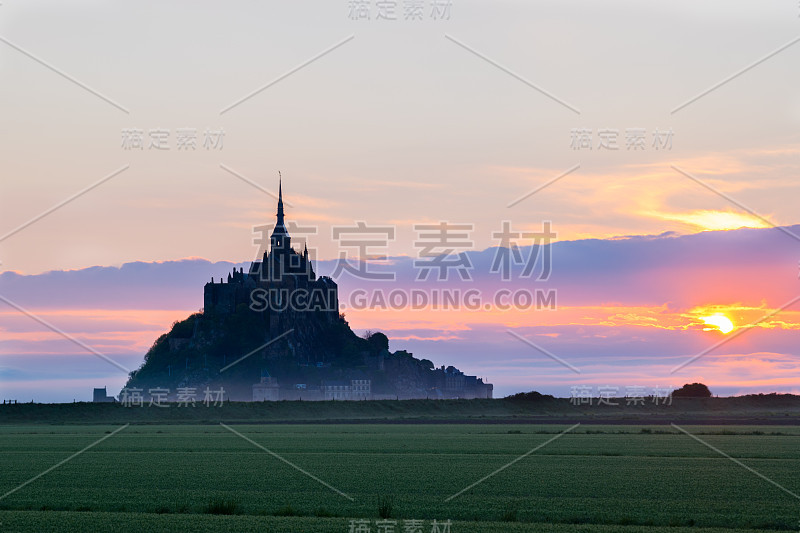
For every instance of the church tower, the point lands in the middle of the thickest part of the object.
(282, 276)
(280, 239)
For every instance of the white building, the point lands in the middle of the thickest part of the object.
(266, 390)
(354, 389)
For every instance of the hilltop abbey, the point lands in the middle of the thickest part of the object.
(281, 285)
(275, 333)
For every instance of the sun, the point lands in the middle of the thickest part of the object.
(719, 321)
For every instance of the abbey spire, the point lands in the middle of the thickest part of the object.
(280, 239)
(280, 199)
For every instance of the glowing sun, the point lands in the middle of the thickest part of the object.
(720, 322)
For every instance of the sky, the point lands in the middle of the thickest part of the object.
(465, 113)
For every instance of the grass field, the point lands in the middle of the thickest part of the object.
(208, 478)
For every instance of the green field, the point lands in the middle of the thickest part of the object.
(594, 478)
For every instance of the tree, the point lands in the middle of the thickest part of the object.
(377, 342)
(692, 390)
(532, 396)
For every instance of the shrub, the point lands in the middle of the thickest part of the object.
(692, 390)
(385, 506)
(222, 506)
(287, 510)
(509, 515)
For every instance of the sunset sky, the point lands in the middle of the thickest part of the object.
(473, 118)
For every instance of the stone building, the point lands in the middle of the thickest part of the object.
(266, 390)
(353, 389)
(100, 395)
(452, 383)
(360, 389)
(282, 285)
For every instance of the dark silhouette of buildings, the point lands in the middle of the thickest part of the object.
(281, 285)
(291, 317)
(100, 395)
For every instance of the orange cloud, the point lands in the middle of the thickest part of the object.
(713, 220)
(654, 318)
(106, 330)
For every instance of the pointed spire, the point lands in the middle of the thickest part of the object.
(280, 237)
(280, 199)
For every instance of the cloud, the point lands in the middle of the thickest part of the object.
(705, 219)
(628, 309)
(605, 200)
